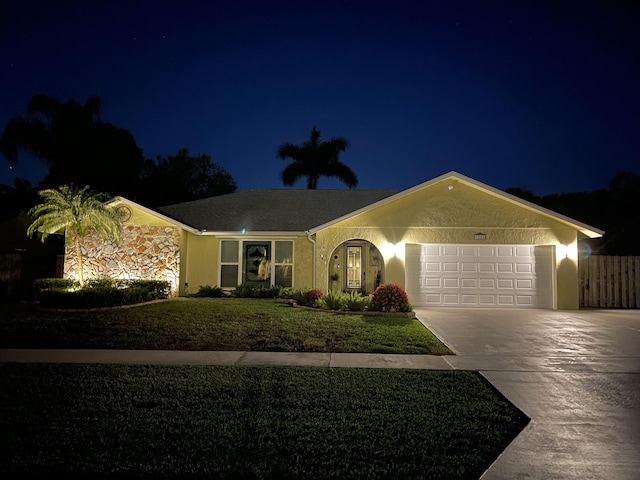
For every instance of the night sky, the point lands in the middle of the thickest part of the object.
(542, 95)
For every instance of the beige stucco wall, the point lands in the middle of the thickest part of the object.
(202, 253)
(440, 215)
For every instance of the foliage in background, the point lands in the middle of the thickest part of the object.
(78, 212)
(76, 144)
(390, 297)
(182, 178)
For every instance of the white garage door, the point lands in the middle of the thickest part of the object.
(479, 275)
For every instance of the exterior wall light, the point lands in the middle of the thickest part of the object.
(567, 251)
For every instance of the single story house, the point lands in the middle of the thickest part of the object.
(450, 241)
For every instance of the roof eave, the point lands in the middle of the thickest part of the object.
(155, 213)
(251, 233)
(583, 228)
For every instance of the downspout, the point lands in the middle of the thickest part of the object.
(310, 237)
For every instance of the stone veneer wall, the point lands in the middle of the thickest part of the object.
(144, 252)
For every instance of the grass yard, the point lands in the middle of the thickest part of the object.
(215, 324)
(117, 421)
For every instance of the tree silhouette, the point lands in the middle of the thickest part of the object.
(181, 178)
(77, 212)
(314, 159)
(76, 145)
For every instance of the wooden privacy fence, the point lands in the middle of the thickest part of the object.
(608, 281)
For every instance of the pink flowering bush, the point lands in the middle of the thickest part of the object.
(311, 297)
(390, 298)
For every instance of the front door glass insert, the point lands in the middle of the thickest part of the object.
(354, 267)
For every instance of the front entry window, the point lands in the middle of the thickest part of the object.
(354, 267)
(257, 262)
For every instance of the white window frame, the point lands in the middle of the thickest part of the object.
(239, 260)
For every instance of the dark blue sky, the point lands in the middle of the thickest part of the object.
(537, 94)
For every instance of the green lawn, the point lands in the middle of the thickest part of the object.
(215, 324)
(117, 421)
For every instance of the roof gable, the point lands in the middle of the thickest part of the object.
(585, 229)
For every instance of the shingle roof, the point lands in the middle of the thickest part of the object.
(272, 210)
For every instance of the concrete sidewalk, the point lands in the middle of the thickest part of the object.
(167, 357)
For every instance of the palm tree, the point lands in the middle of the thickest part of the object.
(77, 146)
(77, 212)
(314, 159)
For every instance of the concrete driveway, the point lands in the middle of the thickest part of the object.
(576, 374)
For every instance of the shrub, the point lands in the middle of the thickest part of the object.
(158, 289)
(254, 291)
(42, 284)
(296, 294)
(356, 301)
(389, 298)
(334, 300)
(311, 297)
(105, 293)
(209, 291)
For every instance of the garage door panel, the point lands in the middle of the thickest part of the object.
(479, 275)
(484, 251)
(487, 300)
(506, 300)
(505, 267)
(469, 283)
(523, 251)
(468, 300)
(487, 283)
(524, 268)
(524, 284)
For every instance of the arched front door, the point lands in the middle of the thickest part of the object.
(356, 266)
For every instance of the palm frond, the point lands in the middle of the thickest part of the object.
(342, 172)
(288, 150)
(293, 172)
(43, 104)
(31, 135)
(77, 211)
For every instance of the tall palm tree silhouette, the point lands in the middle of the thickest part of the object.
(76, 145)
(314, 159)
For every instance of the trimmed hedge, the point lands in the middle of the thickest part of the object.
(253, 291)
(99, 293)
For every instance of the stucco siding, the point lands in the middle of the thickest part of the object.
(303, 263)
(438, 214)
(203, 260)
